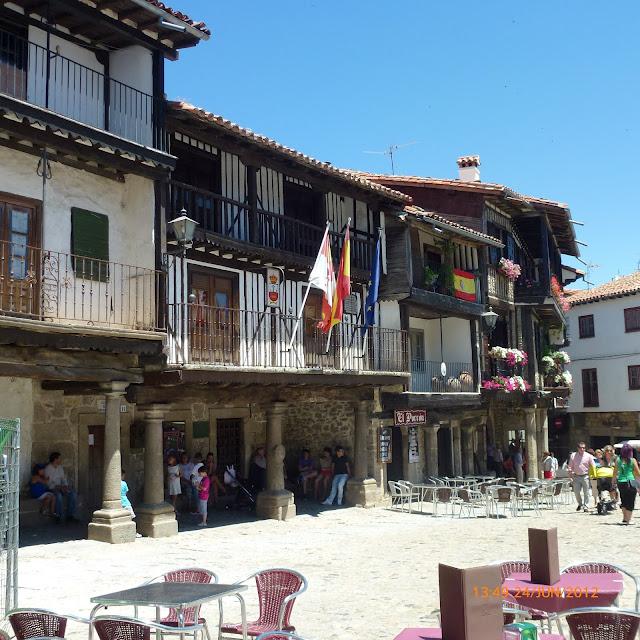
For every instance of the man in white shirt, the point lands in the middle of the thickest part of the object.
(579, 466)
(58, 484)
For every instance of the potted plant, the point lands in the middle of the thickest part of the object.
(509, 269)
(430, 277)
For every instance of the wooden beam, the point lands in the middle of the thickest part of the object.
(55, 372)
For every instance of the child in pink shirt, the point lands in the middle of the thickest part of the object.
(203, 494)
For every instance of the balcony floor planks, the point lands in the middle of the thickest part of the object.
(444, 304)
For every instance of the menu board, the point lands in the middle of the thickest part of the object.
(384, 444)
(414, 449)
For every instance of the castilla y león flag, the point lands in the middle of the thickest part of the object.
(322, 277)
(343, 281)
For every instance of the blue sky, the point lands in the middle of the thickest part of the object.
(547, 94)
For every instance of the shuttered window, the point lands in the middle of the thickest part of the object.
(590, 387)
(632, 319)
(90, 244)
(586, 326)
(634, 376)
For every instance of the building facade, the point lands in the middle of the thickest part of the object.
(604, 325)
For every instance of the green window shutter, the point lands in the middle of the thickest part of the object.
(90, 244)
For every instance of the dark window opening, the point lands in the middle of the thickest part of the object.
(90, 244)
(302, 203)
(632, 319)
(634, 376)
(590, 387)
(586, 327)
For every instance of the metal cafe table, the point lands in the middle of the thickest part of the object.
(173, 595)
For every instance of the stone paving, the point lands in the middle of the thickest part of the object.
(371, 572)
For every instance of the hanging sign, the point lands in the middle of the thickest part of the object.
(405, 417)
(414, 451)
(273, 287)
(384, 444)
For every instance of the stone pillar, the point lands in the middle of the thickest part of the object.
(531, 443)
(432, 449)
(543, 430)
(275, 502)
(457, 447)
(112, 523)
(467, 456)
(155, 518)
(361, 489)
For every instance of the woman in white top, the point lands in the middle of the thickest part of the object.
(173, 479)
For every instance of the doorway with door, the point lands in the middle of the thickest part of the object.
(395, 468)
(95, 467)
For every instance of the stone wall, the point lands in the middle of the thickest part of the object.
(613, 425)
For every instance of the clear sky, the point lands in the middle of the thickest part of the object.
(547, 93)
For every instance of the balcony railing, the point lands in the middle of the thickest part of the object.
(426, 377)
(47, 79)
(498, 285)
(235, 220)
(203, 335)
(67, 289)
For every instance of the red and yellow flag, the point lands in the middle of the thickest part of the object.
(343, 281)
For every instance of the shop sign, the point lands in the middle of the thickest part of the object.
(273, 287)
(414, 451)
(384, 444)
(406, 417)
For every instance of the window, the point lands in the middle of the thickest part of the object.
(632, 319)
(416, 336)
(590, 387)
(634, 376)
(90, 244)
(586, 328)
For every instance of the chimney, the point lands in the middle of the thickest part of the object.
(469, 168)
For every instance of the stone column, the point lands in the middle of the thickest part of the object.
(275, 502)
(482, 447)
(432, 449)
(543, 430)
(467, 456)
(361, 489)
(112, 523)
(531, 443)
(457, 447)
(155, 518)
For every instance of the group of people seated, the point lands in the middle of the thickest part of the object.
(325, 479)
(49, 485)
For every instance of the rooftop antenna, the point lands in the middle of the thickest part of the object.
(390, 151)
(587, 272)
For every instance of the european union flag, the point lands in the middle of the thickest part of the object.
(374, 285)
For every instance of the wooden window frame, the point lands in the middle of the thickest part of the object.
(628, 314)
(590, 401)
(634, 368)
(583, 334)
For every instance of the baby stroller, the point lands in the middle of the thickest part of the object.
(606, 504)
(244, 494)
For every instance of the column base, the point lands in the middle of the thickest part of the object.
(113, 526)
(363, 493)
(276, 505)
(156, 520)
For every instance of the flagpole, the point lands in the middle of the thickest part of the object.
(304, 300)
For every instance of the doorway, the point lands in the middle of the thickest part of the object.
(445, 451)
(95, 467)
(395, 468)
(173, 439)
(230, 444)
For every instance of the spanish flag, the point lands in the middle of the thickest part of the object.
(343, 282)
(464, 285)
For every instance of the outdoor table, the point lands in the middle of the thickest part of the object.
(572, 591)
(173, 595)
(435, 633)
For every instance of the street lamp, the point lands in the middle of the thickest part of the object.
(184, 229)
(489, 319)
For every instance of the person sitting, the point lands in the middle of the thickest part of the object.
(58, 484)
(307, 470)
(323, 480)
(258, 470)
(39, 490)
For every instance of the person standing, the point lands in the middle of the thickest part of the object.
(518, 462)
(173, 480)
(554, 464)
(580, 465)
(341, 472)
(498, 461)
(203, 486)
(625, 470)
(186, 467)
(547, 466)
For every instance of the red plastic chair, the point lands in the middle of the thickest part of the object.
(277, 592)
(605, 567)
(38, 623)
(601, 623)
(279, 635)
(514, 566)
(122, 628)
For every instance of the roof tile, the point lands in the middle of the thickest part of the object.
(183, 17)
(622, 286)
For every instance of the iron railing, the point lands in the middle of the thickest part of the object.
(69, 289)
(426, 377)
(204, 335)
(235, 220)
(41, 76)
(498, 285)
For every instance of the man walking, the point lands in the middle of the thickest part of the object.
(580, 463)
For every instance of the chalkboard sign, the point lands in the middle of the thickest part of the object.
(384, 444)
(200, 429)
(414, 449)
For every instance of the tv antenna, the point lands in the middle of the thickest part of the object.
(390, 151)
(587, 272)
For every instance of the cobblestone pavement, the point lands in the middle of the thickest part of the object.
(371, 572)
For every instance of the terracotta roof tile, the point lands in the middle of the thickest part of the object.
(421, 213)
(622, 286)
(183, 17)
(179, 107)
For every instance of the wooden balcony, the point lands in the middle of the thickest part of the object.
(426, 377)
(499, 286)
(214, 337)
(65, 289)
(233, 223)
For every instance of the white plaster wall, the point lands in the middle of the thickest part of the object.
(611, 351)
(456, 339)
(389, 314)
(16, 401)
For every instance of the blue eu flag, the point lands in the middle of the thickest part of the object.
(372, 295)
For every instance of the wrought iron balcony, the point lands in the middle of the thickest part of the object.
(43, 77)
(63, 288)
(215, 336)
(235, 220)
(426, 377)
